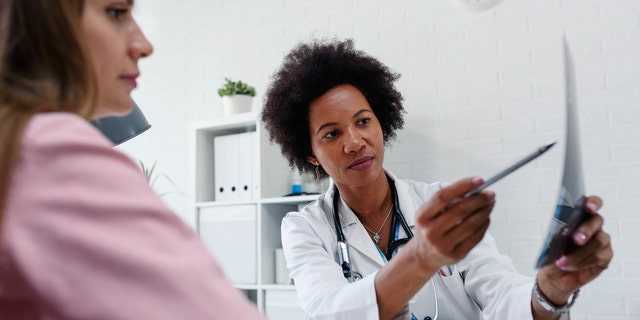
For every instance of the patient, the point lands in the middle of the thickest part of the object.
(83, 235)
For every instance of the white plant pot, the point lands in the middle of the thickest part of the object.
(237, 103)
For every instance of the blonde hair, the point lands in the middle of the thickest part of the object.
(44, 66)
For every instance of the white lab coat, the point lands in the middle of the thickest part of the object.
(484, 285)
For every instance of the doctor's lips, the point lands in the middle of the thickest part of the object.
(361, 164)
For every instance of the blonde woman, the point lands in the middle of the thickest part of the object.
(83, 236)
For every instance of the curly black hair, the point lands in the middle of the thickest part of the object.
(309, 71)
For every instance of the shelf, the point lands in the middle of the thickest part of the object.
(211, 204)
(278, 287)
(247, 286)
(236, 121)
(277, 200)
(256, 219)
(292, 199)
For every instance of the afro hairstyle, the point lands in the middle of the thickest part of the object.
(309, 71)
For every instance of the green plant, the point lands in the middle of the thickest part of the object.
(152, 178)
(236, 87)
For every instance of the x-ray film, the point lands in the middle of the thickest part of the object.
(570, 211)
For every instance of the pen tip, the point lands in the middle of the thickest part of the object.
(548, 146)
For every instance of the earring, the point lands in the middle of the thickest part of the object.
(317, 170)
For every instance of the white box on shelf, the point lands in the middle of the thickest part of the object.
(282, 275)
(229, 232)
(283, 305)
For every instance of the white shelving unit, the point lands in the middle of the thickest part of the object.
(273, 181)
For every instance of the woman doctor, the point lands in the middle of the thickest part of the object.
(332, 108)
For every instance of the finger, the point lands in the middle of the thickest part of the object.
(457, 216)
(593, 203)
(587, 229)
(597, 253)
(469, 223)
(463, 248)
(459, 232)
(444, 197)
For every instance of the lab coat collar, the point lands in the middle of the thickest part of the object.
(355, 233)
(408, 199)
(357, 237)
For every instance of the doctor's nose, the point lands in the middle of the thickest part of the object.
(353, 141)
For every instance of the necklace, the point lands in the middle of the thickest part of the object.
(376, 235)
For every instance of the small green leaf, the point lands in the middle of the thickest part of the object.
(231, 87)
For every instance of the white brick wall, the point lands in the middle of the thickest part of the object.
(481, 89)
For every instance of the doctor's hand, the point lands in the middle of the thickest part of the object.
(448, 225)
(558, 281)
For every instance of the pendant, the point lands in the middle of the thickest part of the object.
(376, 238)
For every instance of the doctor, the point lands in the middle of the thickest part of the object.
(378, 247)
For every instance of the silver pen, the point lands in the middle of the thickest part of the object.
(512, 168)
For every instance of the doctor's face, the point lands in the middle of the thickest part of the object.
(115, 43)
(346, 137)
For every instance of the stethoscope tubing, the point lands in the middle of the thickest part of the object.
(343, 249)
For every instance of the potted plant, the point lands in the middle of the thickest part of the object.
(152, 177)
(237, 96)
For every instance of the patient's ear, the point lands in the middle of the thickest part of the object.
(313, 160)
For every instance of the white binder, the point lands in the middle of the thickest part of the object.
(236, 167)
(247, 166)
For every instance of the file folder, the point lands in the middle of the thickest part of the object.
(236, 167)
(247, 168)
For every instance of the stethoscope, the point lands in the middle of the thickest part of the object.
(398, 217)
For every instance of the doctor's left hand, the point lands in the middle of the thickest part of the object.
(559, 280)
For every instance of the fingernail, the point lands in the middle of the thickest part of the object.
(592, 207)
(562, 263)
(491, 194)
(477, 180)
(579, 237)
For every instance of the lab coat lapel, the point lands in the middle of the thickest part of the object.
(408, 200)
(357, 237)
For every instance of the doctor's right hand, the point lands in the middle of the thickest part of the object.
(448, 225)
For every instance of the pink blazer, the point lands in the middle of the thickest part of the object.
(85, 237)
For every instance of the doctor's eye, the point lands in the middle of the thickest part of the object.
(330, 134)
(364, 121)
